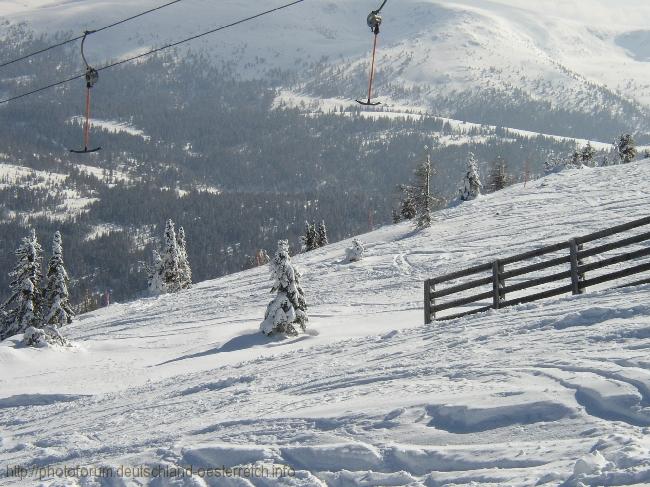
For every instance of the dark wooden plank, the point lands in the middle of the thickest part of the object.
(575, 274)
(461, 302)
(615, 260)
(465, 313)
(536, 267)
(537, 282)
(630, 271)
(463, 273)
(462, 287)
(538, 296)
(635, 283)
(496, 284)
(642, 237)
(427, 302)
(614, 230)
(535, 253)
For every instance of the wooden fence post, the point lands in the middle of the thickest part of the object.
(427, 302)
(575, 274)
(581, 275)
(496, 284)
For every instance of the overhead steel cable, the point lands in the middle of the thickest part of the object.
(153, 51)
(94, 31)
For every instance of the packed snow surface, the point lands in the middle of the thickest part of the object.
(551, 393)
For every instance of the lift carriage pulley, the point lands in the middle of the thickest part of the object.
(374, 22)
(91, 77)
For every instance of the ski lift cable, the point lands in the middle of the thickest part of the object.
(74, 39)
(153, 51)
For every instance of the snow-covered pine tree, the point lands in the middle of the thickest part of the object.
(57, 299)
(23, 309)
(287, 313)
(171, 260)
(184, 262)
(587, 155)
(310, 238)
(499, 177)
(407, 204)
(553, 163)
(321, 235)
(422, 197)
(472, 183)
(155, 280)
(575, 160)
(625, 148)
(356, 252)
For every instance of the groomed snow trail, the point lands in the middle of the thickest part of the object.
(369, 396)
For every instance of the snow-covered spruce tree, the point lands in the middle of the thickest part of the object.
(43, 337)
(422, 197)
(356, 252)
(321, 235)
(23, 308)
(472, 183)
(184, 262)
(587, 155)
(310, 238)
(625, 148)
(287, 313)
(171, 260)
(407, 204)
(155, 280)
(553, 163)
(499, 177)
(57, 299)
(575, 160)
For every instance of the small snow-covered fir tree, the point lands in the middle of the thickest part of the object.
(587, 155)
(421, 193)
(356, 252)
(575, 160)
(287, 313)
(184, 263)
(625, 148)
(472, 183)
(310, 238)
(407, 208)
(23, 308)
(499, 177)
(171, 260)
(553, 163)
(156, 275)
(43, 337)
(57, 299)
(321, 235)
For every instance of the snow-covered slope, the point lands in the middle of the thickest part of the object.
(369, 396)
(571, 54)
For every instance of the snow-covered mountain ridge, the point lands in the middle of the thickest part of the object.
(575, 56)
(369, 396)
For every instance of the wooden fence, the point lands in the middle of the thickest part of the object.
(500, 271)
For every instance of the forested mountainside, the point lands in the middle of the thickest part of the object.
(233, 160)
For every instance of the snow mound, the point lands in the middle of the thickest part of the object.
(472, 419)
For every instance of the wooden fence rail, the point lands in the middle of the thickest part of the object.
(575, 278)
